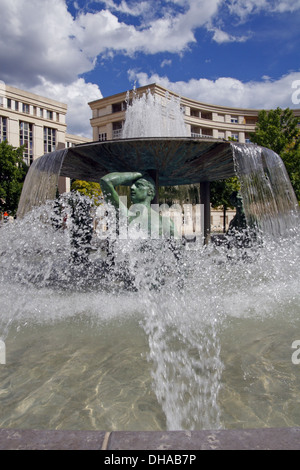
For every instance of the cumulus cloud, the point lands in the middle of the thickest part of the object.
(76, 95)
(44, 49)
(228, 91)
(37, 39)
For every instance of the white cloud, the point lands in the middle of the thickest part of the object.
(222, 37)
(244, 8)
(37, 39)
(228, 91)
(166, 62)
(76, 95)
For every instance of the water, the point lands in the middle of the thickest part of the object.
(154, 116)
(268, 197)
(201, 343)
(130, 337)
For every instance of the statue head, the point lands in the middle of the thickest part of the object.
(143, 190)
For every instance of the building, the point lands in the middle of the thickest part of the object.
(202, 120)
(36, 122)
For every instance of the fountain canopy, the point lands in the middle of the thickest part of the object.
(178, 161)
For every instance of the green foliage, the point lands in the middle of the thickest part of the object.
(278, 130)
(90, 189)
(220, 192)
(291, 160)
(13, 170)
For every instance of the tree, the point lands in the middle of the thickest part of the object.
(220, 194)
(278, 130)
(90, 189)
(13, 170)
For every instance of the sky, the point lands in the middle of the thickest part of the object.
(241, 53)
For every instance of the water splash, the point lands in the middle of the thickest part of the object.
(184, 309)
(151, 115)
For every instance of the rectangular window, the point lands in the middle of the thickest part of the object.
(41, 112)
(49, 139)
(26, 139)
(234, 120)
(118, 107)
(117, 129)
(3, 129)
(25, 108)
(195, 112)
(49, 114)
(9, 103)
(102, 137)
(16, 105)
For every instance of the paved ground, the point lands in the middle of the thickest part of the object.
(250, 439)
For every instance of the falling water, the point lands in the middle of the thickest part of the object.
(268, 196)
(43, 177)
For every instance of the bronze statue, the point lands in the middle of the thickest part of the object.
(141, 216)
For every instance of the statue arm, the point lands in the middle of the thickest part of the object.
(110, 181)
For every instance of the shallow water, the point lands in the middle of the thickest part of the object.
(205, 343)
(76, 374)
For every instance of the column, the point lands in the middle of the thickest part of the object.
(205, 200)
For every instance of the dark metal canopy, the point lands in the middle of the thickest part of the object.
(178, 161)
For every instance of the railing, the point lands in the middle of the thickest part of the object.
(117, 134)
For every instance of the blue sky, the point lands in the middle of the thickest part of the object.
(242, 53)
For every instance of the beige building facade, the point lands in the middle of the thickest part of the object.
(37, 122)
(201, 119)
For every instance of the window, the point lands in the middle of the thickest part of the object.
(234, 120)
(117, 107)
(26, 139)
(9, 103)
(16, 105)
(69, 144)
(247, 138)
(195, 112)
(235, 137)
(3, 129)
(206, 115)
(49, 114)
(102, 137)
(49, 139)
(117, 130)
(25, 108)
(195, 131)
(207, 132)
(41, 112)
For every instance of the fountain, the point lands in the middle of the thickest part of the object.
(142, 340)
